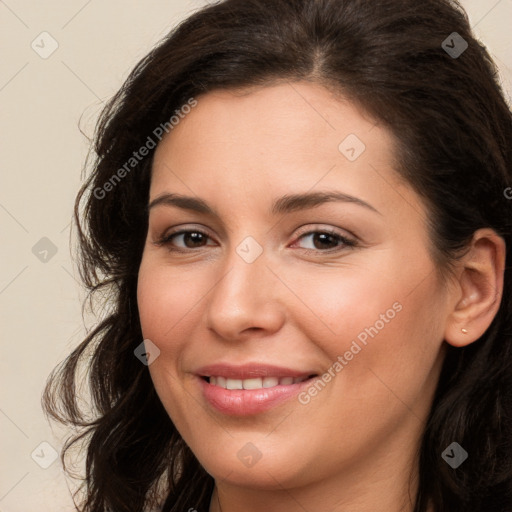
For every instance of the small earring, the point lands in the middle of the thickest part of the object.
(464, 331)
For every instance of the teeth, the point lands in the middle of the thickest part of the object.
(252, 383)
(256, 383)
(234, 384)
(270, 382)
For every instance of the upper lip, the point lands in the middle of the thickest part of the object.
(249, 371)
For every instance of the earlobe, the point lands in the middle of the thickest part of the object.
(479, 288)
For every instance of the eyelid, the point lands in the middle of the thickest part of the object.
(314, 228)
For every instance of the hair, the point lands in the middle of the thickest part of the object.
(453, 130)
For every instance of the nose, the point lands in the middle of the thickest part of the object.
(246, 300)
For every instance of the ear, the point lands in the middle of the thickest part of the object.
(478, 289)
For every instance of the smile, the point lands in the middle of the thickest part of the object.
(251, 388)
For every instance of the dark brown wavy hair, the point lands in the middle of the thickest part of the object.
(453, 129)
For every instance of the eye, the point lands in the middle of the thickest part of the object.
(184, 240)
(326, 240)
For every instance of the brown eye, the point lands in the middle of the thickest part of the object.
(184, 239)
(192, 239)
(325, 241)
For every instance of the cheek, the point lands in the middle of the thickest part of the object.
(167, 301)
(167, 298)
(385, 323)
(337, 305)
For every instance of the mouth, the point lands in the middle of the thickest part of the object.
(250, 389)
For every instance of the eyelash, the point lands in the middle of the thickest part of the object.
(346, 243)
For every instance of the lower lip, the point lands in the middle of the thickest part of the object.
(244, 402)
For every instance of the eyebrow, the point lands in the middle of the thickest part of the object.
(285, 204)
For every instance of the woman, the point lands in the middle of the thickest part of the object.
(298, 213)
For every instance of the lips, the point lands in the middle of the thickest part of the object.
(250, 388)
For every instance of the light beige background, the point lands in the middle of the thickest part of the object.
(42, 155)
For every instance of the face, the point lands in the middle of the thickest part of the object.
(293, 299)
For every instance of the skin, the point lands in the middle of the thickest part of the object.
(353, 446)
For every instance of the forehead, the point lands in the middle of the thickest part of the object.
(242, 149)
(276, 128)
(290, 111)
